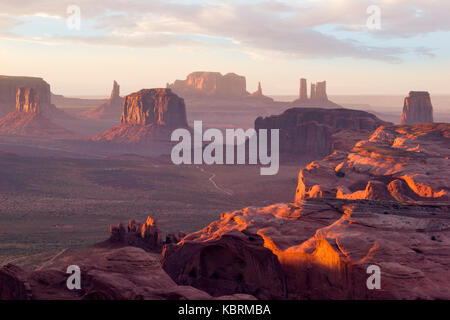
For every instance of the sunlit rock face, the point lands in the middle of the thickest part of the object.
(417, 108)
(210, 84)
(108, 273)
(27, 100)
(148, 114)
(401, 163)
(316, 132)
(324, 247)
(8, 91)
(154, 106)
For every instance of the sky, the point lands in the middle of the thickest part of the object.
(358, 46)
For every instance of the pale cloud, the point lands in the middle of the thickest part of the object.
(280, 27)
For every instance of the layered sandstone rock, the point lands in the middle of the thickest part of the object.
(30, 118)
(27, 100)
(107, 273)
(315, 132)
(210, 84)
(8, 91)
(324, 247)
(146, 235)
(148, 115)
(111, 109)
(417, 108)
(397, 163)
(225, 265)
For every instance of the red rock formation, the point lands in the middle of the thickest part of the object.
(107, 273)
(29, 118)
(311, 132)
(417, 108)
(303, 96)
(148, 115)
(154, 106)
(318, 96)
(225, 265)
(405, 163)
(324, 247)
(111, 109)
(27, 100)
(8, 91)
(210, 84)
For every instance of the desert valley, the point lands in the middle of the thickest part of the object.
(224, 159)
(353, 190)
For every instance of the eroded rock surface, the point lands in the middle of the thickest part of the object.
(324, 247)
(398, 163)
(111, 109)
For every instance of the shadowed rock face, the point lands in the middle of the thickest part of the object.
(107, 273)
(210, 84)
(417, 108)
(225, 265)
(324, 247)
(314, 132)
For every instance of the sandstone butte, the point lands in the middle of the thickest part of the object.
(315, 132)
(30, 117)
(203, 84)
(417, 108)
(391, 210)
(111, 109)
(148, 115)
(8, 91)
(317, 98)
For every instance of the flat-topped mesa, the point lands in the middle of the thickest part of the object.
(154, 106)
(210, 84)
(8, 91)
(28, 100)
(315, 132)
(417, 108)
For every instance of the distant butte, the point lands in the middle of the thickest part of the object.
(148, 115)
(417, 108)
(111, 109)
(318, 96)
(230, 86)
(29, 118)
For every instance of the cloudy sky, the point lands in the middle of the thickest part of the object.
(145, 43)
